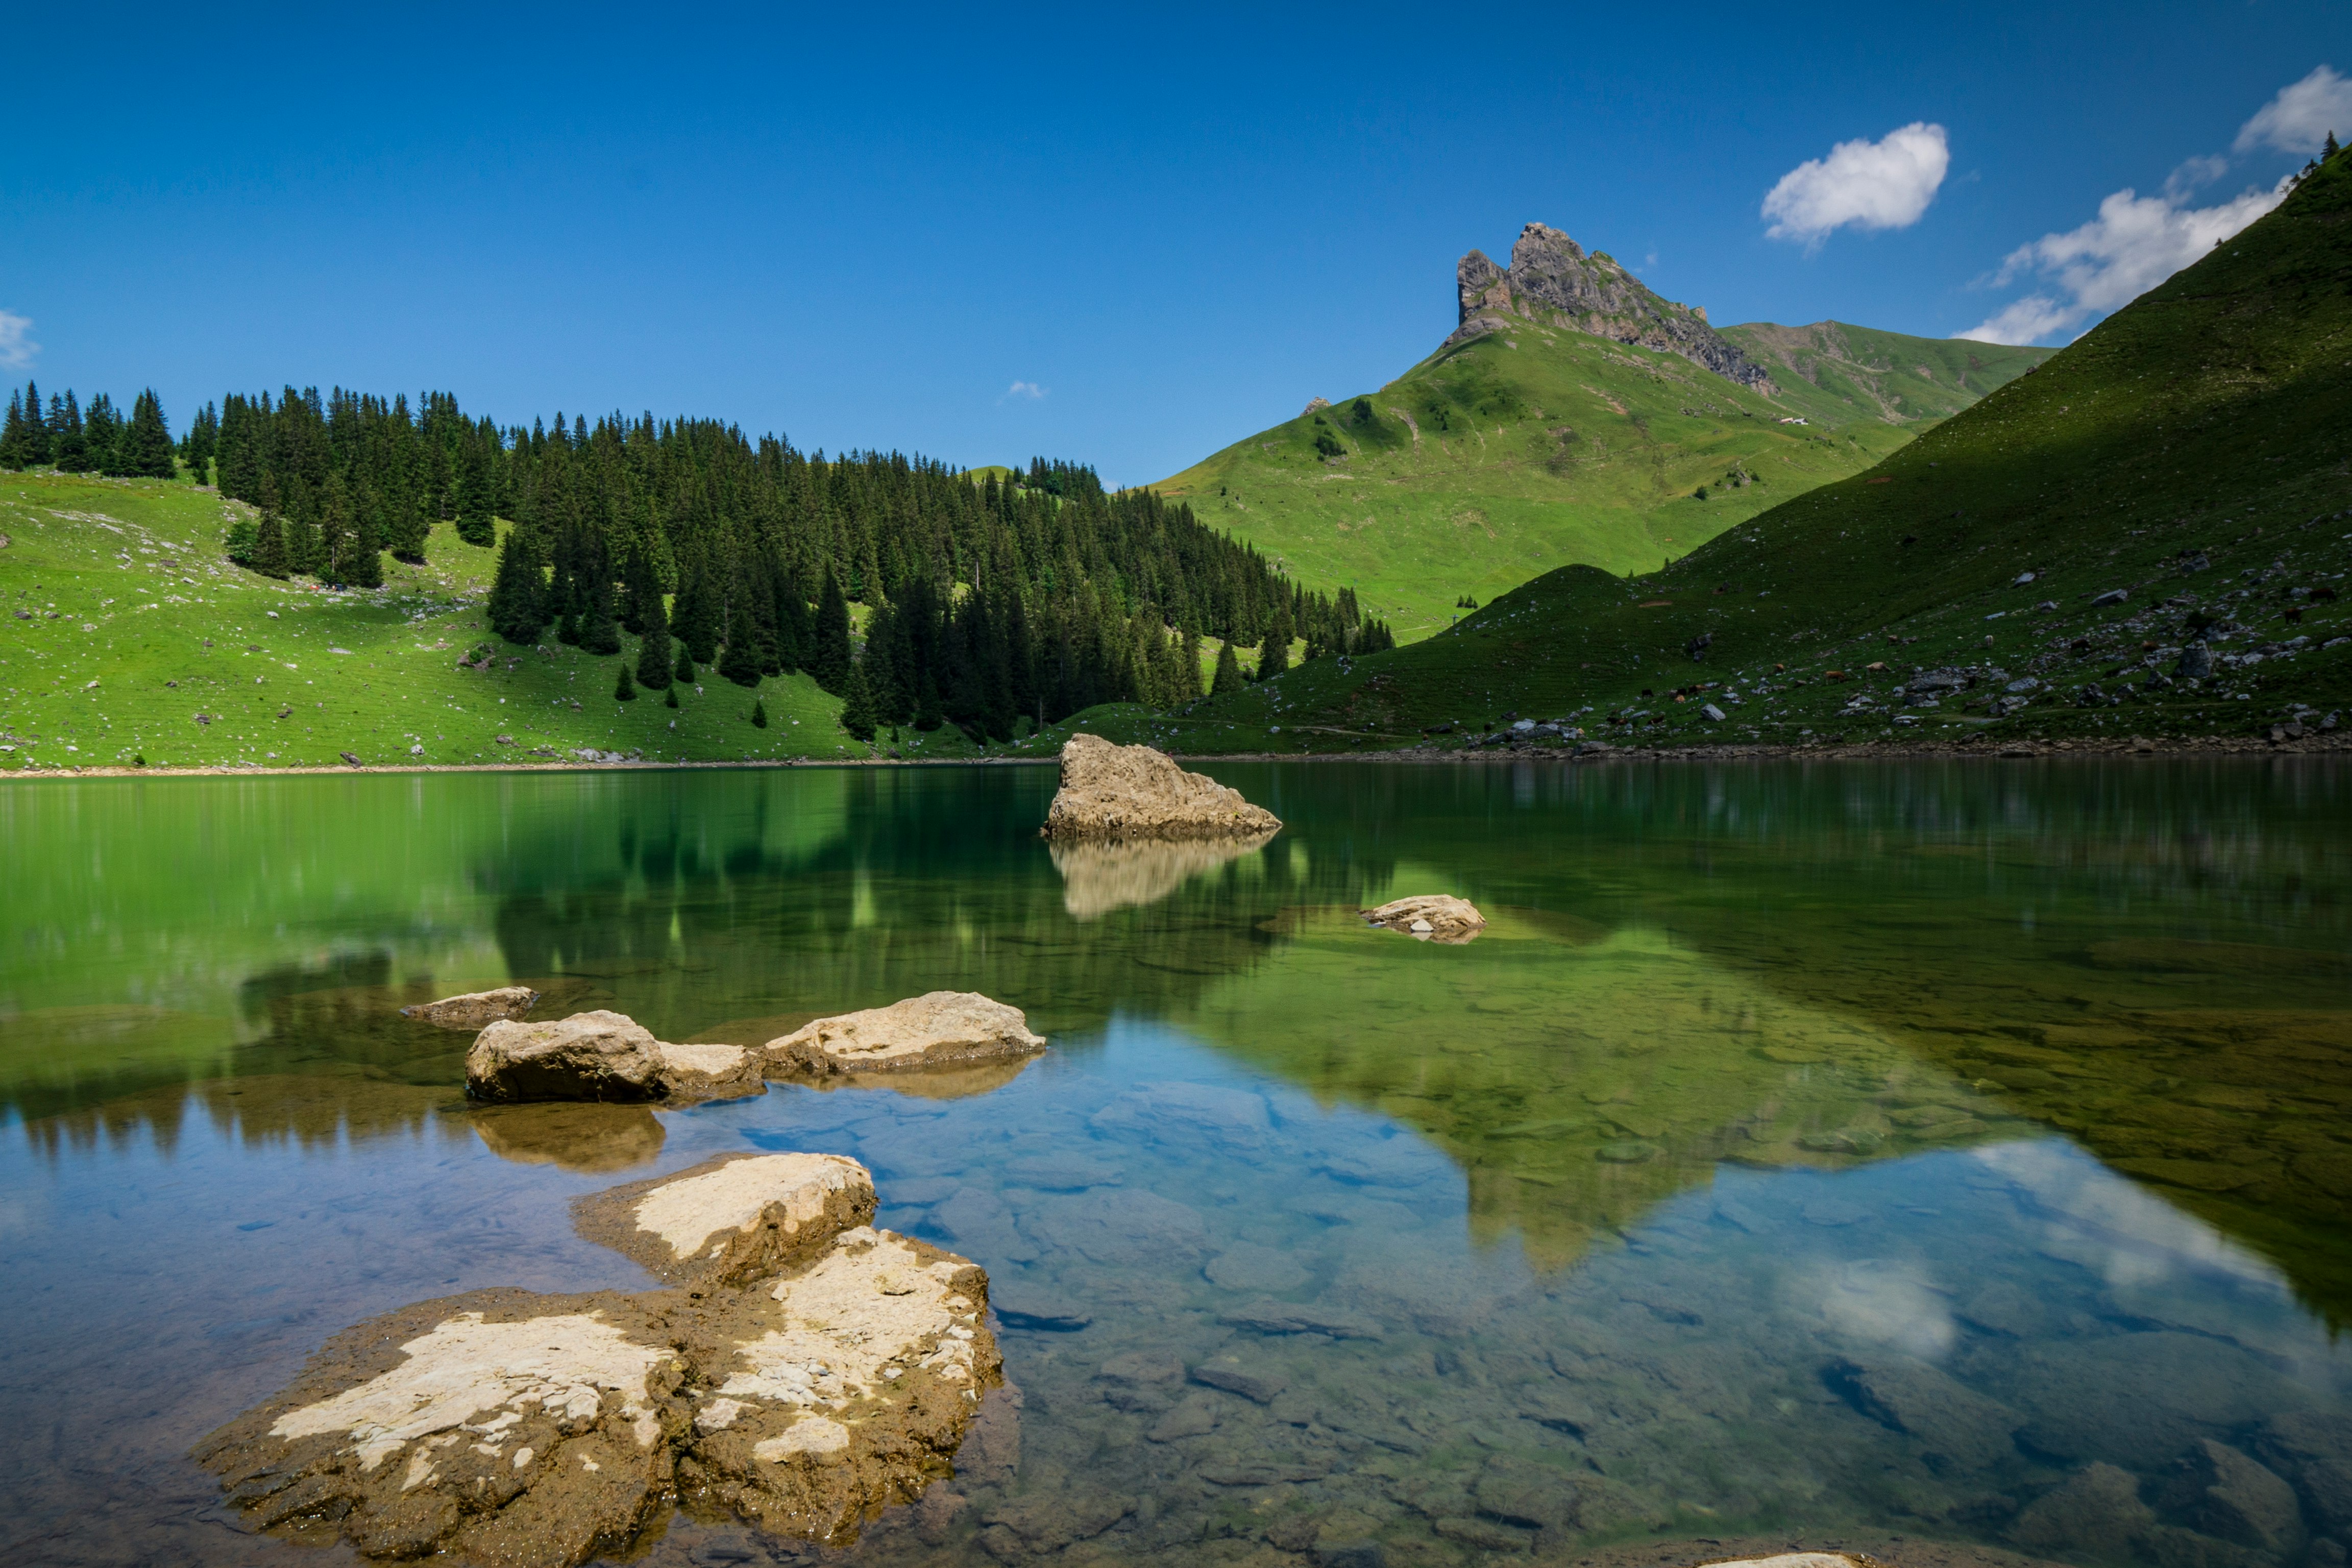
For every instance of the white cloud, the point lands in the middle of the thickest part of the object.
(1885, 183)
(16, 345)
(2135, 243)
(1026, 389)
(2301, 116)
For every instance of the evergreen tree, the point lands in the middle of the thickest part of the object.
(147, 441)
(1189, 668)
(697, 621)
(857, 705)
(599, 633)
(1229, 672)
(670, 698)
(37, 429)
(623, 689)
(829, 658)
(929, 715)
(739, 661)
(69, 450)
(12, 454)
(655, 665)
(759, 714)
(269, 546)
(475, 524)
(792, 631)
(202, 440)
(101, 438)
(354, 558)
(1274, 656)
(517, 610)
(684, 665)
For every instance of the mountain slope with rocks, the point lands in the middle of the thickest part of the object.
(1573, 416)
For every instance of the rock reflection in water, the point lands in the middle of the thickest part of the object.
(1102, 876)
(588, 1138)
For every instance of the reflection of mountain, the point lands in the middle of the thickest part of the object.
(1580, 1085)
(1100, 875)
(2149, 957)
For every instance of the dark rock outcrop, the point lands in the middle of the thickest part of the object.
(1552, 278)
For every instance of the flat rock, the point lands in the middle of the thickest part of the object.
(601, 1056)
(2315, 1452)
(2220, 1491)
(842, 1389)
(1245, 1266)
(1271, 1317)
(1027, 1307)
(938, 1030)
(1431, 917)
(1135, 792)
(1118, 1225)
(731, 1219)
(1959, 1428)
(474, 1008)
(2097, 1510)
(1236, 1375)
(499, 1428)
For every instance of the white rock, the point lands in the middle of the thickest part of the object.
(940, 1028)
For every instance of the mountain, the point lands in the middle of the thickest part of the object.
(1573, 416)
(2148, 535)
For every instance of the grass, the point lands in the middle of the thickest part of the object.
(126, 634)
(1501, 458)
(2190, 452)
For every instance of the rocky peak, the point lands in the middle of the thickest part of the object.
(1553, 278)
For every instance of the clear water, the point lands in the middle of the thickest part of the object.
(1834, 1153)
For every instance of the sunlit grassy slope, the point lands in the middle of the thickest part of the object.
(2192, 452)
(125, 632)
(1501, 458)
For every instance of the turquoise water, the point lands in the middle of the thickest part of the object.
(1864, 1154)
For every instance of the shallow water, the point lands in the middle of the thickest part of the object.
(1859, 1152)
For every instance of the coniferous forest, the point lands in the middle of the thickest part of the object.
(683, 545)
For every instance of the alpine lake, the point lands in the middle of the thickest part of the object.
(1946, 1160)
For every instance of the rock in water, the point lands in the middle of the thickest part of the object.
(474, 1008)
(1134, 792)
(732, 1219)
(501, 1426)
(1431, 917)
(939, 1029)
(534, 1431)
(601, 1056)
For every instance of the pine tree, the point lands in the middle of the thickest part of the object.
(857, 705)
(739, 661)
(12, 457)
(354, 558)
(69, 450)
(1274, 656)
(516, 608)
(670, 698)
(599, 634)
(37, 429)
(269, 546)
(759, 714)
(475, 524)
(1188, 673)
(147, 441)
(927, 714)
(654, 664)
(684, 665)
(101, 438)
(696, 620)
(1229, 672)
(829, 658)
(623, 689)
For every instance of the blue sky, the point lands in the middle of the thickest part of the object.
(1108, 235)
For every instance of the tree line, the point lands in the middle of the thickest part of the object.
(99, 439)
(1028, 593)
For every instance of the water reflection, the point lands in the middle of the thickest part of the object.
(1100, 876)
(594, 1139)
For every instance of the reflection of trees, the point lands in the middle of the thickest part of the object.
(934, 879)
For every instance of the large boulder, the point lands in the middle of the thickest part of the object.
(474, 1008)
(938, 1030)
(733, 1218)
(1134, 792)
(1431, 917)
(601, 1056)
(808, 1371)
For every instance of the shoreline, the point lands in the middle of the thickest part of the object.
(1869, 750)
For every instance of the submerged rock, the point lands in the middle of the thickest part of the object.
(939, 1029)
(474, 1008)
(601, 1056)
(1431, 917)
(1135, 792)
(732, 1219)
(534, 1431)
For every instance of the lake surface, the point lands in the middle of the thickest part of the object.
(1896, 1153)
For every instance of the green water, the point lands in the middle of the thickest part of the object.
(1860, 1154)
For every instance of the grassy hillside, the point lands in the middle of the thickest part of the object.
(2191, 454)
(1507, 456)
(125, 632)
